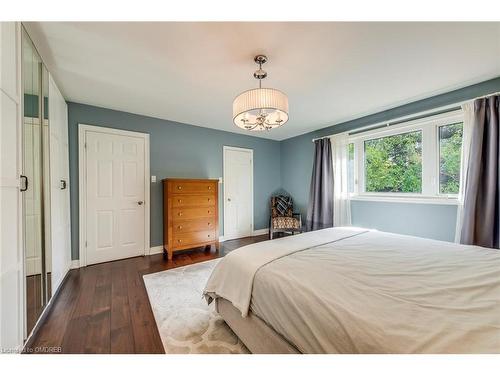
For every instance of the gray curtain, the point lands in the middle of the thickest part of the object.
(482, 188)
(320, 209)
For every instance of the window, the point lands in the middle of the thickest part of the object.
(413, 160)
(394, 163)
(450, 148)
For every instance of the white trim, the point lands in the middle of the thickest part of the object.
(82, 183)
(147, 198)
(23, 329)
(224, 148)
(404, 199)
(235, 237)
(75, 264)
(429, 127)
(260, 232)
(156, 250)
(257, 232)
(439, 119)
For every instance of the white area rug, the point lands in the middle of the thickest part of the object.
(185, 322)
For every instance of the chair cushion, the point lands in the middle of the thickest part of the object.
(285, 222)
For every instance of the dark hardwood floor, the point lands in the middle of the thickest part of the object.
(34, 299)
(34, 303)
(104, 308)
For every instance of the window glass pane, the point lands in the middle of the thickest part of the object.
(450, 148)
(394, 163)
(350, 167)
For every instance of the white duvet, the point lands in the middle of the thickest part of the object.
(348, 290)
(233, 277)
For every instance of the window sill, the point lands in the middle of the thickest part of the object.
(403, 199)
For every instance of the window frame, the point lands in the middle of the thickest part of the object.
(429, 126)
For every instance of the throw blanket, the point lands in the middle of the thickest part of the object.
(233, 277)
(283, 204)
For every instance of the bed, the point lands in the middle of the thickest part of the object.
(352, 290)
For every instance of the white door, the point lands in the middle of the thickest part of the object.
(60, 223)
(115, 192)
(238, 192)
(12, 280)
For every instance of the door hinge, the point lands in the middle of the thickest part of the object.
(85, 243)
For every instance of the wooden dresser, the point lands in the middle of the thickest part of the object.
(190, 214)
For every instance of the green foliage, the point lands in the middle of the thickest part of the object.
(394, 163)
(450, 147)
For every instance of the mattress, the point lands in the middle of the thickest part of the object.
(369, 292)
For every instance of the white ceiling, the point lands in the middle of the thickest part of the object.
(332, 72)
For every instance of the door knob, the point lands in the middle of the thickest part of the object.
(229, 199)
(140, 203)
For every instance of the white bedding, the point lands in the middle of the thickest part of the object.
(347, 290)
(232, 279)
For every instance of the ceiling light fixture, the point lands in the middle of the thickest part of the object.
(262, 108)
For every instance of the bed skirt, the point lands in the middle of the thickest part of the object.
(257, 336)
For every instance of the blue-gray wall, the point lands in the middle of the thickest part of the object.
(425, 220)
(181, 150)
(177, 150)
(416, 219)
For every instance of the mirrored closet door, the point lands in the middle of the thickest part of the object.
(35, 182)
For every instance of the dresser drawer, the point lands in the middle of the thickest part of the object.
(193, 200)
(194, 225)
(193, 238)
(192, 212)
(182, 187)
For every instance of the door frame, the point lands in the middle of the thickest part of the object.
(250, 151)
(82, 185)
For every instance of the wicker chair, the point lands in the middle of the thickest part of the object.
(288, 222)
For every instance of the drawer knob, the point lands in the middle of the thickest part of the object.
(180, 214)
(209, 199)
(208, 224)
(179, 200)
(179, 187)
(209, 188)
(208, 211)
(179, 240)
(208, 235)
(179, 227)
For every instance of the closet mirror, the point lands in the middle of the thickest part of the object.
(35, 183)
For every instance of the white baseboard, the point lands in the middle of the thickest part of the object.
(152, 250)
(156, 250)
(260, 232)
(159, 249)
(257, 232)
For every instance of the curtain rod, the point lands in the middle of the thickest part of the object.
(415, 116)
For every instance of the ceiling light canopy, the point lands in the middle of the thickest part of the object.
(261, 108)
